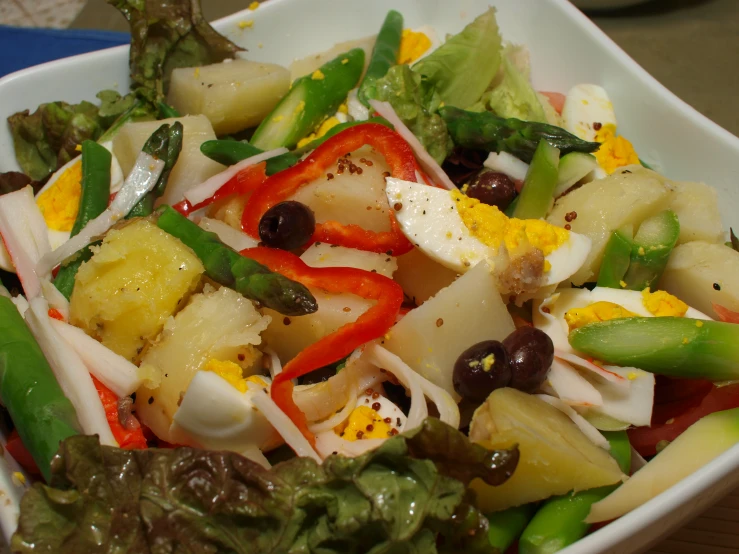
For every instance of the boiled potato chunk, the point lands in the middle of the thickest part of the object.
(555, 456)
(694, 268)
(137, 278)
(309, 64)
(287, 336)
(217, 324)
(421, 277)
(234, 95)
(431, 337)
(331, 255)
(351, 197)
(696, 206)
(192, 167)
(627, 197)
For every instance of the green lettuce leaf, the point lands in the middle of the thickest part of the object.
(408, 496)
(416, 102)
(461, 69)
(167, 34)
(513, 96)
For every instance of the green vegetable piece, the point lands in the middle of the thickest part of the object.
(312, 98)
(416, 103)
(561, 520)
(616, 260)
(537, 193)
(572, 168)
(653, 243)
(113, 105)
(409, 495)
(673, 346)
(165, 144)
(166, 111)
(384, 54)
(463, 67)
(167, 34)
(514, 96)
(227, 267)
(29, 391)
(231, 152)
(485, 131)
(140, 110)
(506, 526)
(96, 161)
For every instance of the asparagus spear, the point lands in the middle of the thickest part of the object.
(561, 520)
(384, 54)
(311, 99)
(231, 152)
(93, 201)
(227, 267)
(506, 526)
(616, 259)
(653, 242)
(29, 391)
(538, 188)
(673, 346)
(486, 131)
(165, 144)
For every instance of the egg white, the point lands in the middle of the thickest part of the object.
(57, 238)
(584, 106)
(429, 218)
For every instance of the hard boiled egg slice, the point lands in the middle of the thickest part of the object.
(587, 109)
(430, 218)
(215, 415)
(59, 201)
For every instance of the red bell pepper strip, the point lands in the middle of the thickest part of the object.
(20, 453)
(129, 439)
(282, 185)
(55, 314)
(372, 324)
(244, 182)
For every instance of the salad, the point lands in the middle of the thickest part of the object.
(389, 299)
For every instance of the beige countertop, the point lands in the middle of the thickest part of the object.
(692, 47)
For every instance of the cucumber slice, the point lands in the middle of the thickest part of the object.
(573, 167)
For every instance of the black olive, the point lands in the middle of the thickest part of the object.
(480, 370)
(493, 188)
(530, 355)
(287, 225)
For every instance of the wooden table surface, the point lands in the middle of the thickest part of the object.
(692, 47)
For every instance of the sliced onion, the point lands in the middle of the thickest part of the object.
(257, 456)
(21, 303)
(577, 361)
(428, 163)
(140, 181)
(275, 365)
(445, 404)
(390, 362)
(112, 370)
(637, 461)
(234, 238)
(55, 298)
(25, 235)
(210, 186)
(340, 416)
(571, 387)
(588, 430)
(283, 425)
(328, 443)
(71, 373)
(508, 164)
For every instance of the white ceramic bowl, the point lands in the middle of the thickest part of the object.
(606, 4)
(566, 49)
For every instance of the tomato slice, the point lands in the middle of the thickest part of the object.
(20, 453)
(556, 99)
(645, 439)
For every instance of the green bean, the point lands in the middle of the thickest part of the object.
(506, 526)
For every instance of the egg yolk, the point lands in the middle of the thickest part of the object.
(598, 311)
(231, 372)
(663, 304)
(412, 46)
(60, 203)
(615, 151)
(493, 228)
(323, 128)
(363, 423)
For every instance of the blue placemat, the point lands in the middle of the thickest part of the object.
(22, 47)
